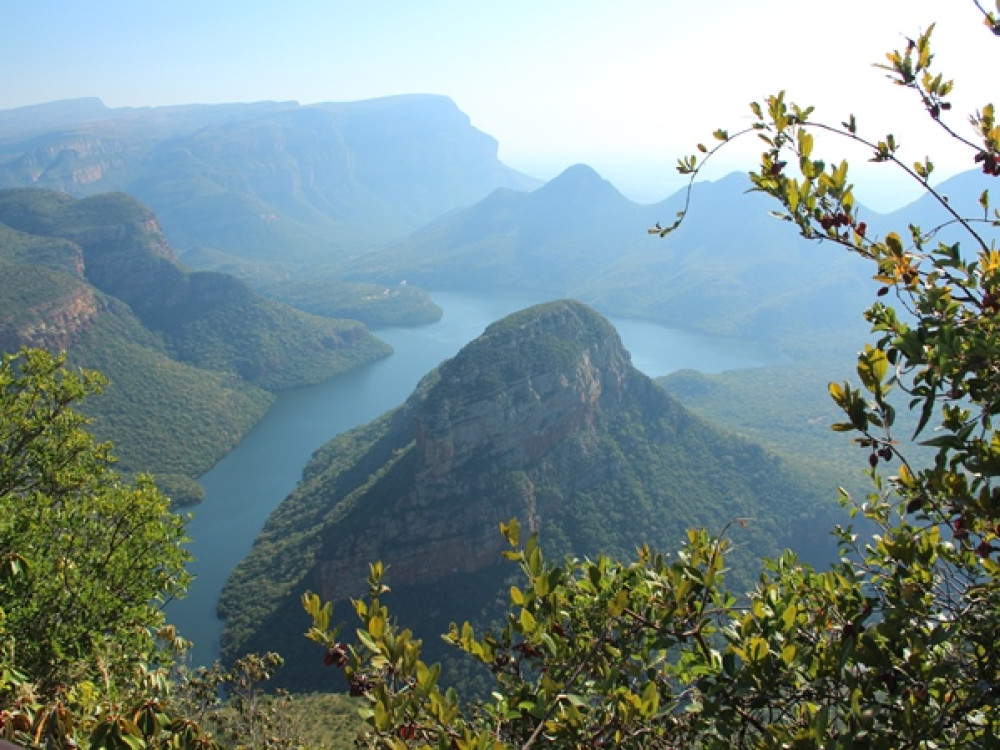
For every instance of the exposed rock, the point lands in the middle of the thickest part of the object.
(54, 324)
(523, 390)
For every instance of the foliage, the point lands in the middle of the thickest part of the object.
(231, 704)
(893, 646)
(164, 416)
(87, 562)
(91, 559)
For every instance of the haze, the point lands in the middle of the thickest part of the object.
(625, 87)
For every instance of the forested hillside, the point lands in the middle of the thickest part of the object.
(270, 190)
(192, 357)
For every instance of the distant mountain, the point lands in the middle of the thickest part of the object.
(542, 417)
(188, 354)
(269, 182)
(962, 192)
(730, 269)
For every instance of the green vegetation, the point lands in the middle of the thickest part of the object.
(86, 560)
(374, 305)
(892, 646)
(188, 354)
(188, 418)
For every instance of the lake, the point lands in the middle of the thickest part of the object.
(246, 485)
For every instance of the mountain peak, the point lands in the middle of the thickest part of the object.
(526, 383)
(580, 183)
(541, 418)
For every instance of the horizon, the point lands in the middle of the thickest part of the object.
(555, 85)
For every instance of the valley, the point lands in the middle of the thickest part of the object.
(297, 306)
(466, 376)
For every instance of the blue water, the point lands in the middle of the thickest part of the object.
(245, 486)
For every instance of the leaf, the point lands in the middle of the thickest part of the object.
(511, 531)
(757, 649)
(380, 717)
(527, 622)
(838, 393)
(516, 597)
(788, 653)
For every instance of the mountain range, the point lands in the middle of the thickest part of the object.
(354, 210)
(730, 269)
(331, 207)
(270, 181)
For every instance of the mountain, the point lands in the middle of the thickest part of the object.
(191, 356)
(542, 417)
(268, 182)
(962, 192)
(730, 269)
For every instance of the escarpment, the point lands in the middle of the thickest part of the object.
(55, 323)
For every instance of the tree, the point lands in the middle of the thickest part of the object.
(86, 560)
(90, 560)
(892, 647)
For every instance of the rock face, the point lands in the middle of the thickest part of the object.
(542, 418)
(526, 393)
(56, 323)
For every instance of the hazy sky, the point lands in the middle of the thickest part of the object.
(625, 86)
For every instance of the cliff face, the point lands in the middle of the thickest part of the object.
(521, 398)
(74, 163)
(515, 413)
(55, 323)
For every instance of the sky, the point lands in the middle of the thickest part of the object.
(627, 87)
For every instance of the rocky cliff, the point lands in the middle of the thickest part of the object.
(524, 396)
(543, 418)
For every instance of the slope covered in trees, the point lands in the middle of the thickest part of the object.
(189, 354)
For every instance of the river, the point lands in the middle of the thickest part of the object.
(247, 484)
